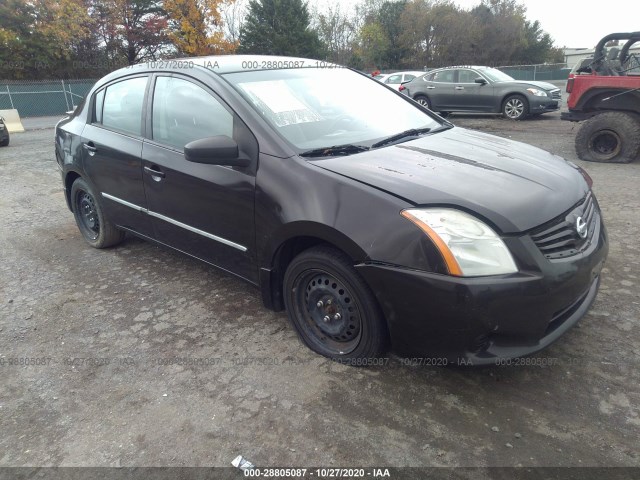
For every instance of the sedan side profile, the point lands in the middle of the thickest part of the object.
(482, 89)
(372, 231)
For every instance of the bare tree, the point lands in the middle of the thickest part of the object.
(233, 15)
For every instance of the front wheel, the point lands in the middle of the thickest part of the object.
(515, 107)
(609, 137)
(96, 229)
(331, 307)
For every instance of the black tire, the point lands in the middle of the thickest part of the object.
(332, 308)
(96, 229)
(423, 100)
(5, 142)
(515, 107)
(444, 114)
(609, 137)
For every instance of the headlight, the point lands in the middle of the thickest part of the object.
(469, 247)
(536, 92)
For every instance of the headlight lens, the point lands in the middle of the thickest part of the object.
(469, 247)
(536, 92)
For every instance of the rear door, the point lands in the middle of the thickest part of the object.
(440, 88)
(203, 210)
(112, 145)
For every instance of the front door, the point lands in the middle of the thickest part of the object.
(203, 210)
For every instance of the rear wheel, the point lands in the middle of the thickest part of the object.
(96, 229)
(515, 107)
(331, 307)
(422, 100)
(609, 137)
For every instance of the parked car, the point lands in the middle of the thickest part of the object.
(381, 77)
(370, 229)
(482, 89)
(4, 133)
(394, 80)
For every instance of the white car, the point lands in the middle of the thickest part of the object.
(394, 80)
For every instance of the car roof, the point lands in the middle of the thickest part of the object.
(412, 72)
(222, 64)
(477, 67)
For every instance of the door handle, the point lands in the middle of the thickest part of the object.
(459, 88)
(90, 147)
(430, 88)
(156, 174)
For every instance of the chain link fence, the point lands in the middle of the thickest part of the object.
(543, 72)
(41, 98)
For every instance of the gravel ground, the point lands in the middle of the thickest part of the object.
(100, 328)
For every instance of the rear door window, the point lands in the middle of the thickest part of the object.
(122, 109)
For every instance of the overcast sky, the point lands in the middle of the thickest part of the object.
(571, 23)
(574, 23)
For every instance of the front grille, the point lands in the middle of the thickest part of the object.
(559, 238)
(556, 95)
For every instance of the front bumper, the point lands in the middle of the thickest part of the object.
(482, 320)
(543, 104)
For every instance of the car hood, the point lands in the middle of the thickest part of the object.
(541, 85)
(513, 185)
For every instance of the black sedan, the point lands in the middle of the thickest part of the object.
(4, 133)
(482, 89)
(370, 230)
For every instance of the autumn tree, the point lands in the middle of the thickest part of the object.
(132, 30)
(196, 27)
(37, 37)
(279, 27)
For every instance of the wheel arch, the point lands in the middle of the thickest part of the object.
(292, 240)
(421, 94)
(70, 177)
(510, 94)
(594, 100)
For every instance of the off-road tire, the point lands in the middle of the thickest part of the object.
(609, 137)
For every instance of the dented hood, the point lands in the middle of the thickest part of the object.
(513, 185)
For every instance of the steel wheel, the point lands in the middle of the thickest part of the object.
(605, 144)
(88, 215)
(332, 308)
(515, 107)
(333, 319)
(97, 230)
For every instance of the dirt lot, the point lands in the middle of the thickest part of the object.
(100, 330)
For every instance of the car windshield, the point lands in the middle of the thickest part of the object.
(316, 108)
(495, 75)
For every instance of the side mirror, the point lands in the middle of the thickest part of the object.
(481, 81)
(218, 150)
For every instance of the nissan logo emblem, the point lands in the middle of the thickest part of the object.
(581, 227)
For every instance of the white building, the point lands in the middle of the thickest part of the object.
(572, 56)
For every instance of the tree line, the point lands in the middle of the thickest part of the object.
(88, 38)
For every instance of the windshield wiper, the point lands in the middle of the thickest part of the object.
(413, 132)
(334, 151)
